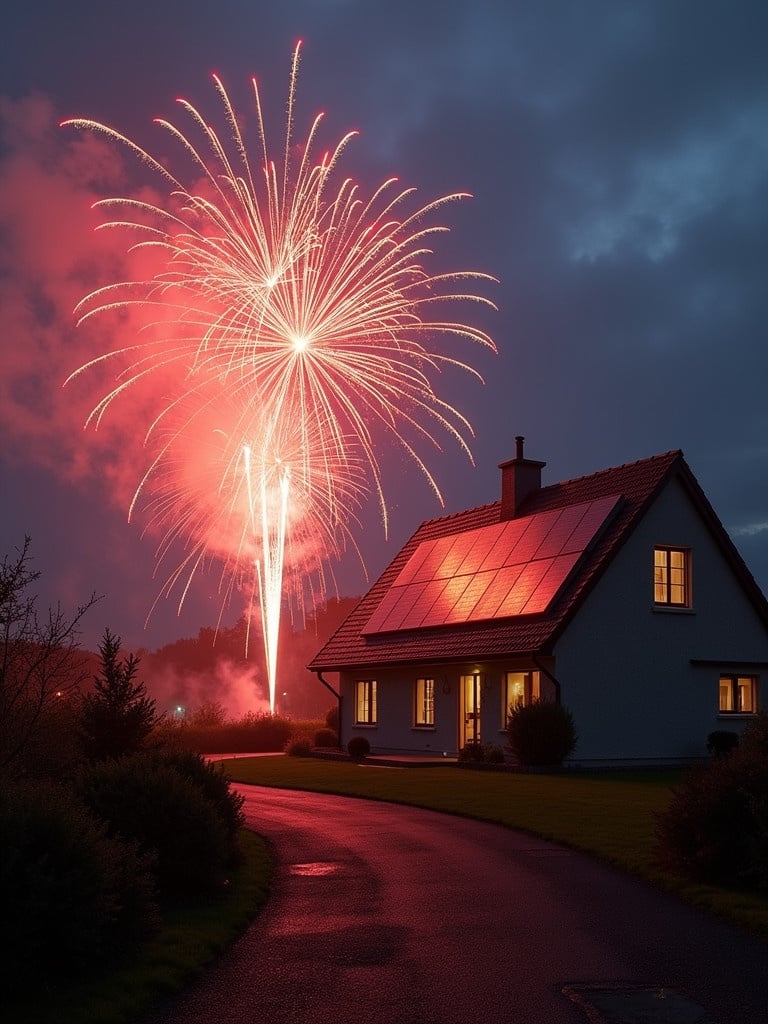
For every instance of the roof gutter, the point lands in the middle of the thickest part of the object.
(555, 682)
(337, 695)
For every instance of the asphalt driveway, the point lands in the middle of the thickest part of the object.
(393, 915)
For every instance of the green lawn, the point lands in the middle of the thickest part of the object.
(609, 815)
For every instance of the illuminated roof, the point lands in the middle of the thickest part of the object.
(510, 568)
(354, 648)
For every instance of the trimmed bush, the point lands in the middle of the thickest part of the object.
(481, 753)
(722, 742)
(326, 738)
(715, 830)
(73, 899)
(255, 733)
(299, 746)
(358, 748)
(494, 754)
(755, 735)
(151, 803)
(541, 733)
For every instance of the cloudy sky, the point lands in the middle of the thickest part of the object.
(617, 156)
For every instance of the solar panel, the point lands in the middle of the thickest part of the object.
(414, 563)
(560, 533)
(525, 584)
(505, 536)
(512, 568)
(464, 608)
(497, 590)
(447, 599)
(454, 557)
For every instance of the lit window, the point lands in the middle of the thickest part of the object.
(672, 577)
(519, 688)
(738, 694)
(365, 702)
(424, 712)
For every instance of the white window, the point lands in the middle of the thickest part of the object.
(365, 702)
(518, 688)
(424, 708)
(738, 694)
(672, 577)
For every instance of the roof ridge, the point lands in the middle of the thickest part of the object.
(558, 483)
(615, 469)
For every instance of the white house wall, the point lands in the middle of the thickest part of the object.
(395, 731)
(624, 665)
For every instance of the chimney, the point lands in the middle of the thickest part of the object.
(519, 478)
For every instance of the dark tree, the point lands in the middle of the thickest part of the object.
(118, 716)
(41, 666)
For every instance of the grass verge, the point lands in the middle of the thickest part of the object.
(611, 816)
(189, 940)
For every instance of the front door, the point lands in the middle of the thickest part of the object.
(469, 723)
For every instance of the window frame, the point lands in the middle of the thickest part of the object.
(733, 681)
(424, 703)
(366, 697)
(531, 691)
(668, 583)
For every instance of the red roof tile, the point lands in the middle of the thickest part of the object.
(638, 483)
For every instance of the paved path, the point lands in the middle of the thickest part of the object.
(392, 915)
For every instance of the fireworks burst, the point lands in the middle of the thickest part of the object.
(293, 318)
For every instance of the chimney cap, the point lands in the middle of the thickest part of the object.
(520, 458)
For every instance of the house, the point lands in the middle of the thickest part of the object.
(619, 594)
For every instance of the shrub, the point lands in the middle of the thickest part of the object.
(358, 747)
(755, 735)
(715, 830)
(332, 718)
(257, 733)
(481, 753)
(299, 746)
(213, 784)
(152, 803)
(208, 714)
(541, 733)
(494, 754)
(267, 733)
(722, 742)
(72, 898)
(326, 738)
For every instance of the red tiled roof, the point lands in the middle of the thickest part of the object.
(638, 483)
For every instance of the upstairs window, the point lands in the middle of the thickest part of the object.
(672, 577)
(738, 695)
(365, 702)
(424, 710)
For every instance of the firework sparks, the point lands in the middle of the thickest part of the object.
(278, 291)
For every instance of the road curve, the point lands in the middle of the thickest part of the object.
(393, 915)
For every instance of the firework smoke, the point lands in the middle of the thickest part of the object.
(290, 321)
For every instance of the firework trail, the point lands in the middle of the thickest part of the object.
(294, 318)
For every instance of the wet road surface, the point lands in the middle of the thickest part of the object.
(394, 915)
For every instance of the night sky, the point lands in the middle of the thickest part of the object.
(617, 156)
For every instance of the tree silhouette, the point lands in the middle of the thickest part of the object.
(41, 665)
(118, 716)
